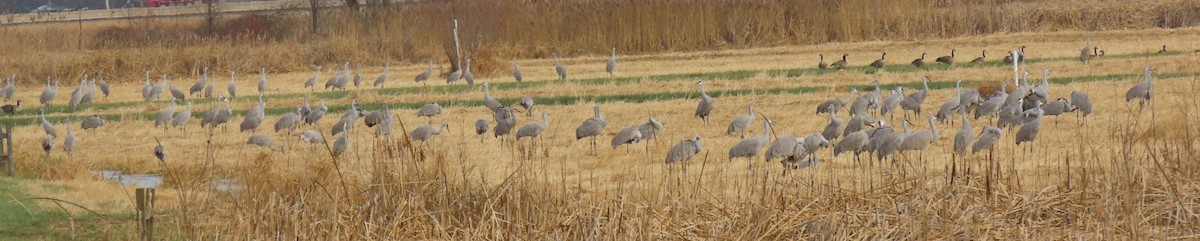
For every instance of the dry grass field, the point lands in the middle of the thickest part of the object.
(1125, 173)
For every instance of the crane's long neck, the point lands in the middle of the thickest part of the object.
(767, 128)
(545, 119)
(485, 92)
(933, 127)
(702, 92)
(597, 111)
(750, 110)
(925, 83)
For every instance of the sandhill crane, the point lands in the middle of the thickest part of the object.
(222, 116)
(288, 121)
(49, 93)
(750, 147)
(741, 123)
(854, 142)
(488, 101)
(505, 121)
(315, 114)
(1018, 94)
(980, 59)
(987, 139)
(705, 107)
(650, 129)
(166, 115)
(481, 127)
(969, 100)
(341, 143)
(157, 89)
(104, 88)
(516, 70)
(47, 144)
(684, 151)
(892, 101)
(341, 77)
(559, 68)
(77, 94)
(262, 81)
(947, 59)
(385, 126)
(951, 106)
(208, 90)
(210, 115)
(454, 76)
(1057, 107)
(357, 75)
(964, 137)
(992, 105)
(889, 146)
(346, 122)
(834, 129)
(783, 147)
(92, 123)
(200, 83)
(840, 64)
(420, 77)
(592, 127)
(812, 143)
(181, 119)
(921, 140)
(1083, 54)
(46, 126)
(384, 76)
(527, 103)
(1083, 104)
(249, 123)
(1010, 116)
(424, 132)
(11, 89)
(160, 152)
(231, 88)
(312, 137)
(876, 136)
(264, 141)
(88, 91)
(836, 103)
(863, 103)
(311, 83)
(1141, 91)
(858, 121)
(429, 110)
(175, 93)
(821, 64)
(146, 87)
(612, 63)
(467, 75)
(1029, 131)
(919, 62)
(533, 129)
(913, 101)
(69, 142)
(880, 62)
(1041, 92)
(376, 117)
(628, 135)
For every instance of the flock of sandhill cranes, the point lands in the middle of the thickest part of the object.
(1022, 108)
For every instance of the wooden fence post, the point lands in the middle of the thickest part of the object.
(145, 213)
(6, 148)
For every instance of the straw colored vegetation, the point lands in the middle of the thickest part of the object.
(1122, 174)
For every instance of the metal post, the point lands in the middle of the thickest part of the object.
(145, 213)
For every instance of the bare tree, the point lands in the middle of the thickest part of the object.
(315, 8)
(210, 16)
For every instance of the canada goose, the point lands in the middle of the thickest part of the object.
(879, 62)
(822, 64)
(1164, 50)
(947, 59)
(920, 62)
(980, 59)
(840, 63)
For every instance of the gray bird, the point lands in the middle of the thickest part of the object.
(879, 62)
(69, 142)
(89, 91)
(481, 127)
(750, 147)
(92, 122)
(49, 93)
(165, 116)
(783, 147)
(516, 70)
(157, 89)
(288, 121)
(376, 117)
(210, 115)
(175, 93)
(250, 124)
(612, 63)
(592, 127)
(650, 129)
(46, 126)
(208, 90)
(315, 114)
(1057, 107)
(343, 78)
(146, 87)
(533, 129)
(889, 146)
(558, 67)
(1010, 116)
(980, 59)
(467, 75)
(1030, 130)
(1083, 104)
(876, 136)
(385, 127)
(811, 144)
(854, 142)
(836, 103)
(968, 100)
(1087, 47)
(920, 62)
(160, 152)
(1141, 91)
(264, 141)
(705, 107)
(684, 151)
(992, 105)
(949, 60)
(951, 106)
(312, 137)
(424, 132)
(357, 74)
(840, 64)
(11, 89)
(231, 88)
(422, 76)
(312, 81)
(456, 75)
(1018, 93)
(913, 101)
(47, 144)
(77, 94)
(821, 64)
(892, 101)
(200, 83)
(505, 121)
(383, 77)
(964, 137)
(987, 139)
(262, 81)
(346, 122)
(222, 116)
(341, 143)
(488, 101)
(527, 103)
(921, 140)
(182, 118)
(834, 129)
(628, 135)
(741, 123)
(429, 110)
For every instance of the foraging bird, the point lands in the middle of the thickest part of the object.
(840, 64)
(488, 101)
(315, 114)
(384, 76)
(288, 121)
(92, 122)
(312, 137)
(628, 135)
(376, 117)
(987, 139)
(527, 103)
(920, 62)
(783, 147)
(46, 126)
(160, 152)
(879, 62)
(750, 147)
(467, 75)
(200, 83)
(1083, 104)
(854, 142)
(1057, 107)
(947, 59)
(836, 103)
(532, 129)
(312, 81)
(892, 101)
(69, 142)
(481, 127)
(964, 137)
(516, 70)
(834, 129)
(612, 63)
(1141, 91)
(47, 144)
(49, 93)
(921, 140)
(650, 129)
(262, 81)
(741, 123)
(429, 110)
(420, 77)
(821, 64)
(858, 121)
(592, 127)
(812, 143)
(182, 118)
(231, 88)
(175, 93)
(11, 109)
(357, 74)
(559, 68)
(913, 101)
(980, 59)
(684, 151)
(424, 132)
(263, 141)
(705, 107)
(340, 144)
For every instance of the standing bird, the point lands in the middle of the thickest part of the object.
(559, 68)
(980, 59)
(146, 87)
(11, 109)
(783, 147)
(200, 83)
(208, 90)
(987, 139)
(612, 63)
(92, 122)
(49, 93)
(424, 132)
(534, 129)
(650, 129)
(424, 75)
(628, 135)
(684, 151)
(222, 116)
(262, 81)
(341, 143)
(231, 88)
(1029, 131)
(880, 62)
(1163, 50)
(384, 76)
(47, 144)
(1057, 107)
(949, 60)
(750, 147)
(527, 103)
(951, 106)
(481, 127)
(705, 107)
(920, 62)
(357, 74)
(913, 101)
(592, 127)
(516, 70)
(467, 75)
(488, 101)
(429, 110)
(505, 121)
(11, 89)
(836, 103)
(312, 81)
(77, 94)
(69, 142)
(454, 76)
(182, 118)
(892, 101)
(964, 137)
(1141, 91)
(104, 88)
(175, 93)
(840, 64)
(1083, 104)
(834, 129)
(854, 142)
(812, 143)
(315, 114)
(992, 105)
(288, 121)
(821, 64)
(46, 126)
(741, 123)
(1085, 52)
(921, 140)
(160, 152)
